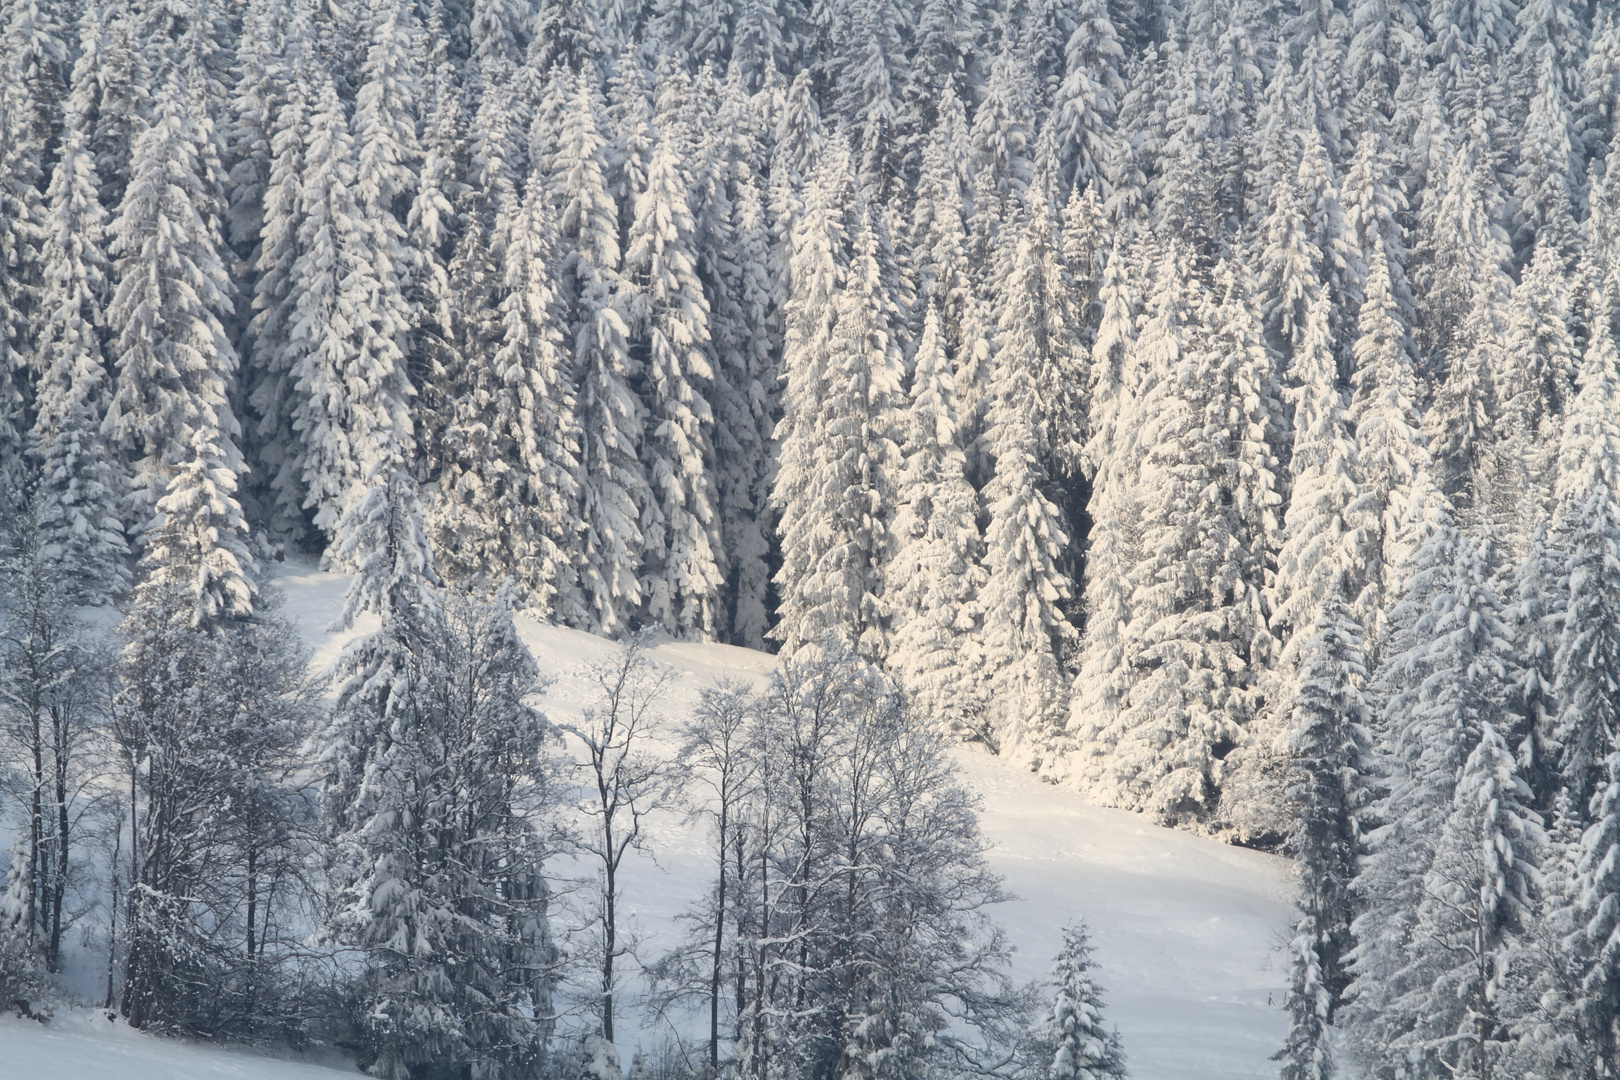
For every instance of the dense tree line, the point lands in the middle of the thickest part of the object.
(1210, 402)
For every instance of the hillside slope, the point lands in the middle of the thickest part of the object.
(1184, 927)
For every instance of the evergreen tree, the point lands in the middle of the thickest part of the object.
(436, 792)
(268, 379)
(1396, 492)
(1104, 678)
(1326, 747)
(1440, 687)
(745, 326)
(80, 485)
(1546, 68)
(170, 411)
(1070, 1039)
(351, 408)
(668, 318)
(839, 456)
(1088, 98)
(1027, 634)
(1588, 524)
(613, 487)
(935, 572)
(563, 36)
(1477, 898)
(1539, 380)
(1197, 643)
(1319, 554)
(1319, 544)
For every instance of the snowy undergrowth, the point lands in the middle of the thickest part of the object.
(1184, 927)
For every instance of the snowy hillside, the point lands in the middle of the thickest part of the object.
(1184, 926)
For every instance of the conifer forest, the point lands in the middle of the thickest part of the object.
(1211, 406)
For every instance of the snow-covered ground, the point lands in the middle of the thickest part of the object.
(1185, 928)
(85, 1045)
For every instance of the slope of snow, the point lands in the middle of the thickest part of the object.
(1184, 927)
(84, 1045)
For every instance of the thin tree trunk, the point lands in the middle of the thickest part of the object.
(610, 938)
(719, 939)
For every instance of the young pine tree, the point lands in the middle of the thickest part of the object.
(1069, 1042)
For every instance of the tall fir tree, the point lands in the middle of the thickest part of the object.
(351, 410)
(1326, 748)
(171, 411)
(1027, 633)
(613, 484)
(668, 318)
(1440, 688)
(1396, 489)
(935, 573)
(1197, 643)
(1070, 1040)
(80, 484)
(838, 437)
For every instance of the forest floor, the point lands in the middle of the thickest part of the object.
(1187, 930)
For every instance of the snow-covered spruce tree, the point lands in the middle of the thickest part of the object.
(1477, 897)
(1326, 748)
(507, 482)
(613, 484)
(80, 485)
(1069, 1042)
(351, 405)
(1397, 496)
(867, 76)
(267, 379)
(433, 226)
(746, 327)
(1087, 101)
(1467, 299)
(1027, 635)
(944, 274)
(21, 214)
(1442, 682)
(1001, 152)
(935, 573)
(437, 795)
(1585, 668)
(1104, 675)
(1320, 553)
(534, 413)
(1197, 643)
(1588, 528)
(667, 315)
(1539, 379)
(563, 35)
(1319, 546)
(1546, 70)
(170, 411)
(839, 457)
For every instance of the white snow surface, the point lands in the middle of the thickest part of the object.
(1186, 929)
